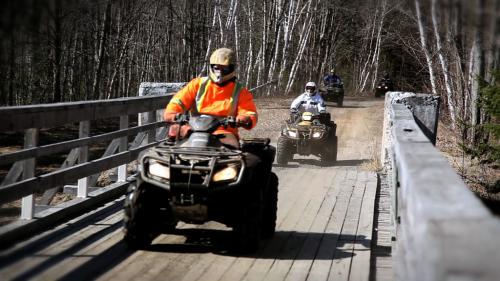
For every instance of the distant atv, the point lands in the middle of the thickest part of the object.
(383, 87)
(198, 179)
(305, 135)
(334, 93)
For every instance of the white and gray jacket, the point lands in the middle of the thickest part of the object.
(310, 103)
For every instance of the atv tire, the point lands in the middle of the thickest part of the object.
(340, 102)
(284, 151)
(139, 211)
(330, 152)
(270, 208)
(247, 232)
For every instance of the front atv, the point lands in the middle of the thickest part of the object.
(199, 180)
(306, 135)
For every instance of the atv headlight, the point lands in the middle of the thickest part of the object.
(292, 134)
(227, 173)
(307, 116)
(158, 169)
(317, 135)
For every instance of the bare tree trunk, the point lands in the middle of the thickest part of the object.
(496, 38)
(292, 17)
(207, 54)
(444, 66)
(280, 9)
(12, 60)
(118, 64)
(477, 72)
(250, 14)
(423, 45)
(99, 58)
(57, 50)
(303, 40)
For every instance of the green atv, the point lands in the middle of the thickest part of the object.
(197, 180)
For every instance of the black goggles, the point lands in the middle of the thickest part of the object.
(225, 69)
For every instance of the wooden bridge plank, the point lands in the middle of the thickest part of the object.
(70, 267)
(141, 260)
(360, 266)
(342, 261)
(203, 263)
(48, 259)
(287, 182)
(192, 265)
(281, 267)
(288, 195)
(314, 226)
(303, 262)
(275, 247)
(328, 247)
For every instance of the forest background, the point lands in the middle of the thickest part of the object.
(73, 50)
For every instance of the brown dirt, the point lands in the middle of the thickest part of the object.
(479, 177)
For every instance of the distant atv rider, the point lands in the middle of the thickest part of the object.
(386, 80)
(332, 79)
(218, 94)
(310, 101)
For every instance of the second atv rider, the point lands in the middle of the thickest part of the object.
(310, 101)
(218, 94)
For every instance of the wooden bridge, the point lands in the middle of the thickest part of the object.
(333, 221)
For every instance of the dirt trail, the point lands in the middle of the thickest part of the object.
(359, 125)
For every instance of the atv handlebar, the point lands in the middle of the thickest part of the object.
(229, 121)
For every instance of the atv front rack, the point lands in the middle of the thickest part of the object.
(193, 168)
(202, 151)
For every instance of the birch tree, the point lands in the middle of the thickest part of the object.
(423, 45)
(444, 65)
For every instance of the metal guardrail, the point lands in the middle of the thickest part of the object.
(442, 230)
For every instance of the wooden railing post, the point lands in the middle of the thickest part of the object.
(28, 202)
(151, 117)
(83, 183)
(122, 170)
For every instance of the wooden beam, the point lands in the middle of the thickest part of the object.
(51, 115)
(122, 169)
(62, 146)
(83, 183)
(60, 177)
(28, 201)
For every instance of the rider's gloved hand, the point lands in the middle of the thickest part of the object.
(244, 120)
(170, 117)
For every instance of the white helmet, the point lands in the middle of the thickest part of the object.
(222, 65)
(310, 88)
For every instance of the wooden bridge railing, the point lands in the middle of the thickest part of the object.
(32, 118)
(443, 231)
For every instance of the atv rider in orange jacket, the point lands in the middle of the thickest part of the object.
(218, 94)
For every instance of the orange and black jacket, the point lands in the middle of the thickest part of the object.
(202, 96)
